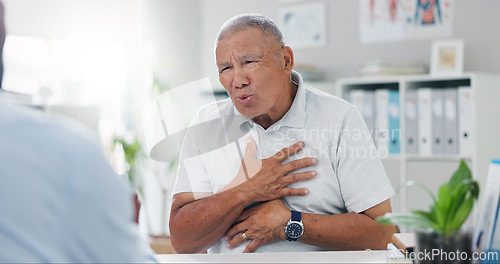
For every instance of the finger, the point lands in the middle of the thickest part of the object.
(293, 192)
(298, 164)
(233, 231)
(252, 247)
(285, 153)
(236, 241)
(297, 177)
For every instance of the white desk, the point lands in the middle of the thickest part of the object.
(376, 256)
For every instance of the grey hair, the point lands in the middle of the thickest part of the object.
(246, 21)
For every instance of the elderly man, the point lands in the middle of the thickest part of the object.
(301, 179)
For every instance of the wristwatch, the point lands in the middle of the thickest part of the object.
(294, 228)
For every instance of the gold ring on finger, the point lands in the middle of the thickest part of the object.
(244, 235)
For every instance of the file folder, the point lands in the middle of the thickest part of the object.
(450, 122)
(411, 122)
(394, 128)
(382, 120)
(364, 100)
(369, 111)
(437, 121)
(465, 121)
(424, 96)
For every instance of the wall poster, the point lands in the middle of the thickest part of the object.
(399, 20)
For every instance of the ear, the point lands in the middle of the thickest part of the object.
(287, 55)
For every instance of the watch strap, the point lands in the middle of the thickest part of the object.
(295, 219)
(296, 216)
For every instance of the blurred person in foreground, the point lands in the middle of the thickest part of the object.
(60, 200)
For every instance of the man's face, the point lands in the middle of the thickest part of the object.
(253, 74)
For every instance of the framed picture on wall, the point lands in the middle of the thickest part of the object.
(447, 57)
(304, 25)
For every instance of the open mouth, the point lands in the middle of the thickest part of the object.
(244, 98)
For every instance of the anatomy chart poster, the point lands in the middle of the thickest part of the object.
(399, 20)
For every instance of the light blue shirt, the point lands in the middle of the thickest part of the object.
(60, 201)
(350, 178)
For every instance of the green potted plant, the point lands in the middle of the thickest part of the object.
(132, 150)
(439, 229)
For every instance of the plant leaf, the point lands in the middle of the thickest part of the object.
(425, 214)
(442, 206)
(448, 211)
(464, 208)
(462, 213)
(459, 195)
(460, 175)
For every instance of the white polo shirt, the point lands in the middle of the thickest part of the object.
(350, 176)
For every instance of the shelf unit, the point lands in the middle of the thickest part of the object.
(432, 170)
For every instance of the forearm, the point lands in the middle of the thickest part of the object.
(197, 225)
(349, 231)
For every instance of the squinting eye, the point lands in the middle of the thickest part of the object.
(247, 62)
(223, 69)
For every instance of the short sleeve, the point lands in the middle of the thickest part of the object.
(361, 175)
(192, 175)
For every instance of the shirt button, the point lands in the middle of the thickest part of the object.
(265, 153)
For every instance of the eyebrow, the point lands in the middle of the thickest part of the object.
(223, 65)
(241, 58)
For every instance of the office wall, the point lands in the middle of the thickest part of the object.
(477, 23)
(83, 50)
(182, 32)
(58, 18)
(474, 21)
(173, 28)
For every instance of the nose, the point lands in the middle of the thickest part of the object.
(240, 79)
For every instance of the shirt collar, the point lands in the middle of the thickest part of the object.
(295, 116)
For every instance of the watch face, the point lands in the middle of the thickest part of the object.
(294, 230)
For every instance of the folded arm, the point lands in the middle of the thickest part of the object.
(198, 220)
(349, 231)
(196, 224)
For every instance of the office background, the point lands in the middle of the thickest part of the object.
(182, 32)
(112, 48)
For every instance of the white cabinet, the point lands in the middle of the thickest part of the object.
(433, 169)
